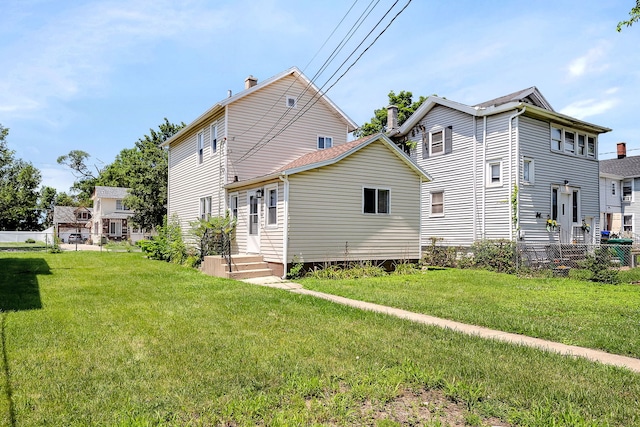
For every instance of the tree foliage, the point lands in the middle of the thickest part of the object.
(406, 107)
(19, 182)
(634, 15)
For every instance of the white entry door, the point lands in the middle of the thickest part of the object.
(565, 215)
(253, 231)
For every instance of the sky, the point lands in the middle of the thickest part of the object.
(97, 75)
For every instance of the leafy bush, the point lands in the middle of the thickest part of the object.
(29, 241)
(297, 268)
(494, 255)
(168, 244)
(213, 235)
(600, 265)
(439, 256)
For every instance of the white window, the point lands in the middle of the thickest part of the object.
(213, 136)
(272, 206)
(233, 205)
(494, 173)
(436, 142)
(120, 206)
(581, 145)
(200, 147)
(627, 223)
(291, 102)
(437, 203)
(205, 207)
(527, 170)
(591, 147)
(569, 142)
(627, 190)
(375, 200)
(325, 142)
(556, 139)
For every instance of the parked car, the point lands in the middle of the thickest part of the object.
(76, 238)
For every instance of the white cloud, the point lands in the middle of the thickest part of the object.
(588, 107)
(590, 62)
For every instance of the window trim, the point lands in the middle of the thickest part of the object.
(324, 142)
(200, 147)
(233, 196)
(490, 165)
(376, 201)
(205, 207)
(267, 202)
(632, 182)
(532, 170)
(585, 145)
(439, 130)
(625, 225)
(213, 142)
(436, 214)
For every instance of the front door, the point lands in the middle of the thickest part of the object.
(253, 231)
(565, 216)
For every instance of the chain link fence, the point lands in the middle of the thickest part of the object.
(538, 256)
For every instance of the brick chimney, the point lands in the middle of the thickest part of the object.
(250, 82)
(392, 118)
(622, 150)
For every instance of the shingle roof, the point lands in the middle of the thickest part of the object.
(323, 155)
(111, 192)
(66, 213)
(628, 167)
(530, 95)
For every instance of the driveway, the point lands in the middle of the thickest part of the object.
(81, 247)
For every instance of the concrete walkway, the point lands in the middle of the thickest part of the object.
(479, 331)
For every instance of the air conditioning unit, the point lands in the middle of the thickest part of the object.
(626, 198)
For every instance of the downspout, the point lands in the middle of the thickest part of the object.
(285, 225)
(517, 155)
(484, 184)
(420, 220)
(221, 183)
(225, 179)
(475, 177)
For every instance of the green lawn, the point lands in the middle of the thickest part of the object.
(569, 311)
(113, 339)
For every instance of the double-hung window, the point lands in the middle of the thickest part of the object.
(213, 136)
(627, 190)
(591, 147)
(581, 145)
(200, 147)
(272, 206)
(233, 205)
(205, 207)
(569, 142)
(627, 223)
(325, 142)
(376, 200)
(527, 170)
(494, 173)
(556, 139)
(437, 142)
(437, 203)
(120, 206)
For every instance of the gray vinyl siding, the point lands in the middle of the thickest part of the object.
(326, 219)
(552, 168)
(633, 208)
(256, 125)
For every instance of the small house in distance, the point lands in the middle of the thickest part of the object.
(111, 219)
(68, 220)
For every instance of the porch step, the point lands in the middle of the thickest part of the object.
(243, 267)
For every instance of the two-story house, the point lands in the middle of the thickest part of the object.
(619, 206)
(276, 157)
(504, 169)
(111, 217)
(69, 220)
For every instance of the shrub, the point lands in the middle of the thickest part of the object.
(167, 245)
(405, 268)
(29, 241)
(213, 235)
(600, 265)
(494, 255)
(352, 271)
(297, 268)
(439, 256)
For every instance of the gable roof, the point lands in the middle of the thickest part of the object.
(219, 106)
(321, 158)
(110, 192)
(512, 102)
(628, 167)
(529, 95)
(67, 213)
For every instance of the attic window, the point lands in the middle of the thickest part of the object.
(325, 142)
(291, 102)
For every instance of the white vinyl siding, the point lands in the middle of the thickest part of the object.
(316, 235)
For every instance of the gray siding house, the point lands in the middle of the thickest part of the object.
(509, 168)
(619, 206)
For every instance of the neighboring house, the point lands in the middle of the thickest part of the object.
(276, 157)
(619, 181)
(111, 217)
(479, 155)
(71, 220)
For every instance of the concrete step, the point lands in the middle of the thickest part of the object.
(244, 266)
(246, 258)
(250, 274)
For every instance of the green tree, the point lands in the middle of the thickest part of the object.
(19, 182)
(406, 107)
(634, 16)
(46, 203)
(86, 179)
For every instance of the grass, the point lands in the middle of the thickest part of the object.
(569, 311)
(22, 246)
(113, 339)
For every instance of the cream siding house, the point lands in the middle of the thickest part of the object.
(500, 169)
(247, 135)
(355, 201)
(111, 217)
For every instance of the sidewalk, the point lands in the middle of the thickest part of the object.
(479, 331)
